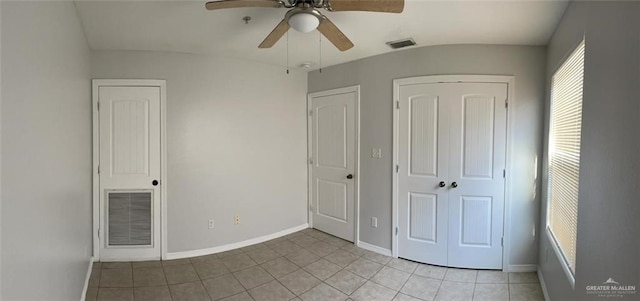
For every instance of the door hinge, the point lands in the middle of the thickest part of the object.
(310, 112)
(396, 231)
(504, 173)
(98, 104)
(397, 168)
(502, 241)
(397, 104)
(506, 103)
(98, 169)
(98, 233)
(310, 160)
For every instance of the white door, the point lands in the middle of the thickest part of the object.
(129, 172)
(451, 142)
(424, 145)
(332, 145)
(476, 165)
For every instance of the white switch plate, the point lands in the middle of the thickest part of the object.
(374, 222)
(211, 224)
(376, 153)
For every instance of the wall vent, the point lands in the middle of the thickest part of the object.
(129, 218)
(401, 43)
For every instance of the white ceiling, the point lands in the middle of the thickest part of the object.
(186, 26)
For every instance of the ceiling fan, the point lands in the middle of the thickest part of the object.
(305, 16)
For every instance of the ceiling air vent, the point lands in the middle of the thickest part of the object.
(401, 43)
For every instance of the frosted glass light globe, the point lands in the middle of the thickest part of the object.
(304, 22)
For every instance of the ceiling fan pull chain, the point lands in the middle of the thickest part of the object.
(320, 50)
(287, 52)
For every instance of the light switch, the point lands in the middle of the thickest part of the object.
(376, 153)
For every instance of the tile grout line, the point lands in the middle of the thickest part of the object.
(473, 294)
(133, 292)
(299, 268)
(164, 273)
(405, 282)
(341, 269)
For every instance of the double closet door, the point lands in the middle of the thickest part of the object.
(451, 161)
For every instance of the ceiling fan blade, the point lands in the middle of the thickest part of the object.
(219, 4)
(334, 35)
(275, 34)
(383, 6)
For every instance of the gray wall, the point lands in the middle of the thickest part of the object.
(608, 242)
(46, 152)
(0, 155)
(375, 76)
(236, 144)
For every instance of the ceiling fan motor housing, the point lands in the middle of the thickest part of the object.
(308, 3)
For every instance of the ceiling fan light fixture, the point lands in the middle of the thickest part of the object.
(304, 22)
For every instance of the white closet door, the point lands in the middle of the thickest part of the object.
(476, 164)
(129, 119)
(422, 202)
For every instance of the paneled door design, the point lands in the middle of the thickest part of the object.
(332, 151)
(450, 183)
(129, 171)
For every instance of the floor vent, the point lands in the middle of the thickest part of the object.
(401, 43)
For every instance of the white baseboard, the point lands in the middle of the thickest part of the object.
(545, 292)
(373, 248)
(522, 268)
(86, 280)
(235, 245)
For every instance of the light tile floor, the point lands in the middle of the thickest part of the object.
(306, 265)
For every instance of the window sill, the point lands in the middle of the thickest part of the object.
(561, 259)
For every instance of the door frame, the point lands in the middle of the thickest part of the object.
(430, 79)
(162, 84)
(356, 201)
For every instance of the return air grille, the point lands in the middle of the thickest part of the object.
(129, 218)
(401, 43)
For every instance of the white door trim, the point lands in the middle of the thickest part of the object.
(510, 81)
(351, 89)
(162, 84)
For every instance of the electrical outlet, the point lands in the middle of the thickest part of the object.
(236, 219)
(211, 224)
(374, 222)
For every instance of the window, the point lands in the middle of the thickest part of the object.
(564, 156)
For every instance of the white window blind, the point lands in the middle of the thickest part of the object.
(564, 154)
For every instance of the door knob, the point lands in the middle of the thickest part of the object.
(442, 184)
(349, 176)
(155, 183)
(454, 184)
